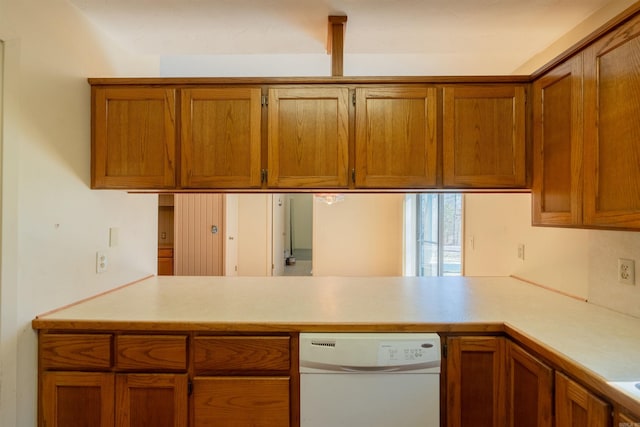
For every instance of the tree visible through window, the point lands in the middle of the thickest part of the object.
(437, 221)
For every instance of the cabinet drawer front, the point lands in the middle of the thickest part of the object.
(159, 352)
(241, 354)
(165, 252)
(241, 401)
(75, 351)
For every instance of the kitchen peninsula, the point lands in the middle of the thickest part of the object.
(210, 335)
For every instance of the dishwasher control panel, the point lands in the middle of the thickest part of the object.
(401, 352)
(369, 352)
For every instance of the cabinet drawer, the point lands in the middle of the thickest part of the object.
(75, 351)
(241, 401)
(165, 252)
(241, 354)
(159, 352)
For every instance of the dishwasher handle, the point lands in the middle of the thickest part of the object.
(329, 367)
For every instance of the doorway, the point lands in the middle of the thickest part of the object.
(299, 235)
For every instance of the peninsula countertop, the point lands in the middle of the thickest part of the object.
(604, 343)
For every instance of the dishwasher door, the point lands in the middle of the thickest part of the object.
(369, 380)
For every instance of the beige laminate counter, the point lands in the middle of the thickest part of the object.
(603, 343)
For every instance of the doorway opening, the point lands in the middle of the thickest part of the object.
(299, 235)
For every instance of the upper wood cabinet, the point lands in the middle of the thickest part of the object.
(612, 129)
(220, 137)
(308, 137)
(484, 138)
(133, 137)
(557, 145)
(396, 137)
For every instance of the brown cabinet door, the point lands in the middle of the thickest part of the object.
(151, 400)
(221, 138)
(396, 137)
(241, 401)
(557, 145)
(476, 382)
(165, 265)
(77, 399)
(530, 389)
(133, 138)
(575, 406)
(612, 129)
(484, 136)
(308, 137)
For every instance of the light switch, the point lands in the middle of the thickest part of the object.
(113, 237)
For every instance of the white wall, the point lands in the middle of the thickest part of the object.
(598, 19)
(578, 262)
(605, 247)
(494, 226)
(52, 223)
(359, 236)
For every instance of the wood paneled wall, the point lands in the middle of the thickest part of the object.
(197, 250)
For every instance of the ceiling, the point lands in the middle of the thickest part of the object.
(518, 28)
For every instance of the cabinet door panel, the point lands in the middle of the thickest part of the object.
(484, 136)
(77, 399)
(220, 143)
(308, 137)
(151, 400)
(575, 406)
(557, 139)
(476, 382)
(530, 385)
(133, 144)
(241, 401)
(396, 137)
(612, 129)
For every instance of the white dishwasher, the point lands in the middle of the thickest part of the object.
(369, 380)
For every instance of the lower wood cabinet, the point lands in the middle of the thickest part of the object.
(126, 379)
(242, 381)
(492, 381)
(576, 406)
(530, 389)
(241, 401)
(154, 400)
(622, 419)
(165, 261)
(475, 383)
(70, 399)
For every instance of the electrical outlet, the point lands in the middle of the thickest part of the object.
(521, 251)
(101, 262)
(626, 271)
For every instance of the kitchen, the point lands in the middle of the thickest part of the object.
(53, 224)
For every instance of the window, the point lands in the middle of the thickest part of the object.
(433, 234)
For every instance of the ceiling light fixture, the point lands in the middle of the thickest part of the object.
(329, 198)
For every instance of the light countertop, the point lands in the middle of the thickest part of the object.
(602, 342)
